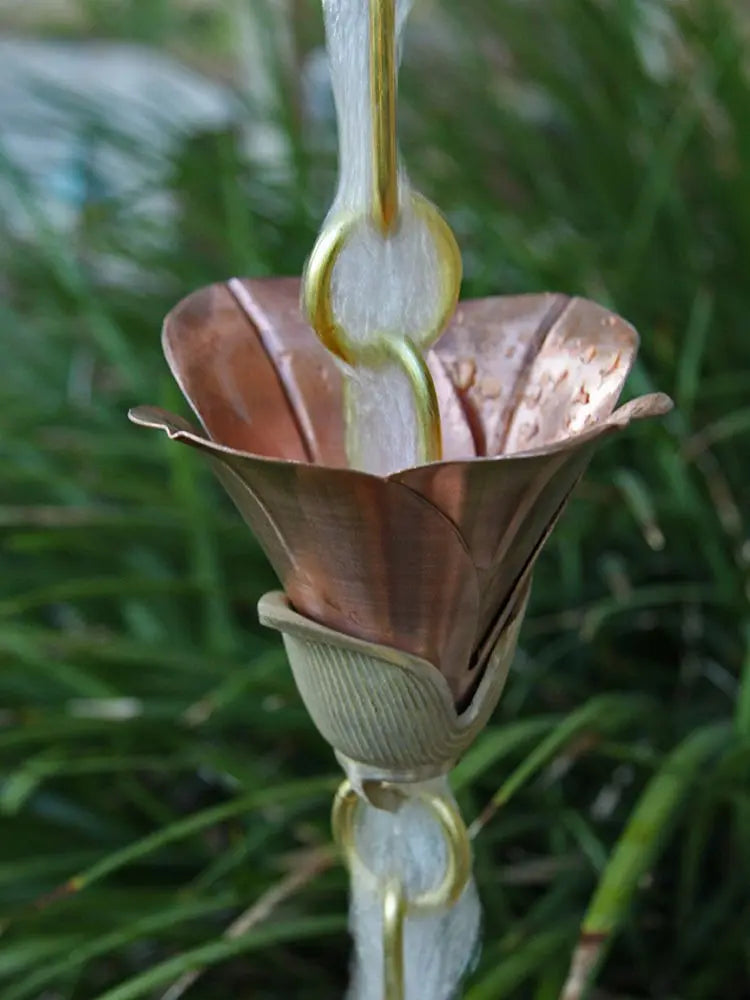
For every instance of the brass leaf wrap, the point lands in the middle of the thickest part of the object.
(379, 706)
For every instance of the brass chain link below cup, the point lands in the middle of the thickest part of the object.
(396, 906)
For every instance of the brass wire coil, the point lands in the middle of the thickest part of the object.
(396, 906)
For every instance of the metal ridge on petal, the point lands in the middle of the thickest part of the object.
(309, 375)
(486, 349)
(227, 377)
(536, 369)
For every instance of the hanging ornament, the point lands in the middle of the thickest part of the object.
(402, 477)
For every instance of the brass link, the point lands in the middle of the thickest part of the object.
(407, 356)
(406, 353)
(394, 915)
(396, 907)
(384, 217)
(384, 129)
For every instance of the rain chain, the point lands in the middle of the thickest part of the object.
(405, 578)
(377, 313)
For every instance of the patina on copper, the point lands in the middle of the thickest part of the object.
(431, 560)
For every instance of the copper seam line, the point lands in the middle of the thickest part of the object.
(503, 619)
(470, 413)
(254, 315)
(495, 626)
(492, 633)
(530, 498)
(561, 304)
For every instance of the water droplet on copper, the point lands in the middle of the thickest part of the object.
(528, 431)
(490, 387)
(533, 396)
(588, 356)
(613, 367)
(466, 371)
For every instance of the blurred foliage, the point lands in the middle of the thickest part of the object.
(158, 775)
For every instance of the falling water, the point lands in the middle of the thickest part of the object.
(388, 285)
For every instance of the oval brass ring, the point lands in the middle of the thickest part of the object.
(318, 278)
(458, 861)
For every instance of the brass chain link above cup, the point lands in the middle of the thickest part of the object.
(405, 350)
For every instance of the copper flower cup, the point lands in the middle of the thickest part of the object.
(432, 562)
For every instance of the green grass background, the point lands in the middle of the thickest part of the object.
(619, 759)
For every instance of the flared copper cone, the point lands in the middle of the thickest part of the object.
(431, 560)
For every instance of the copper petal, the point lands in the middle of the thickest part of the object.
(360, 554)
(227, 377)
(488, 346)
(254, 372)
(504, 506)
(535, 369)
(260, 380)
(575, 379)
(310, 375)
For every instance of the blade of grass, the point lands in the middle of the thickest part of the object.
(601, 715)
(636, 850)
(292, 792)
(219, 951)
